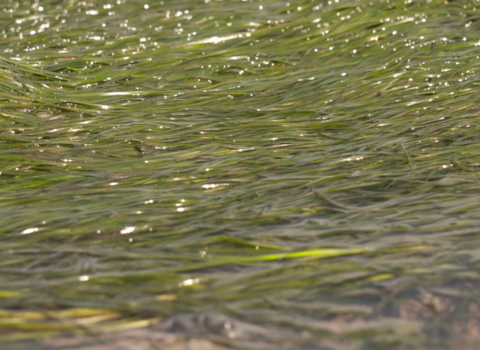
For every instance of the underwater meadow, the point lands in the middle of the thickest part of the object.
(235, 174)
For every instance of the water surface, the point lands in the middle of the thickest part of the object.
(258, 174)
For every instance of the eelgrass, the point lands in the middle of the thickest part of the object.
(308, 167)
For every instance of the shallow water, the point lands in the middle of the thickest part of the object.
(260, 174)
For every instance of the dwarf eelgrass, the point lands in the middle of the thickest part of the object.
(307, 170)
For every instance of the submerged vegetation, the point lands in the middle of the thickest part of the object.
(262, 174)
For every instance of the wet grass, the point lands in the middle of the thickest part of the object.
(309, 170)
